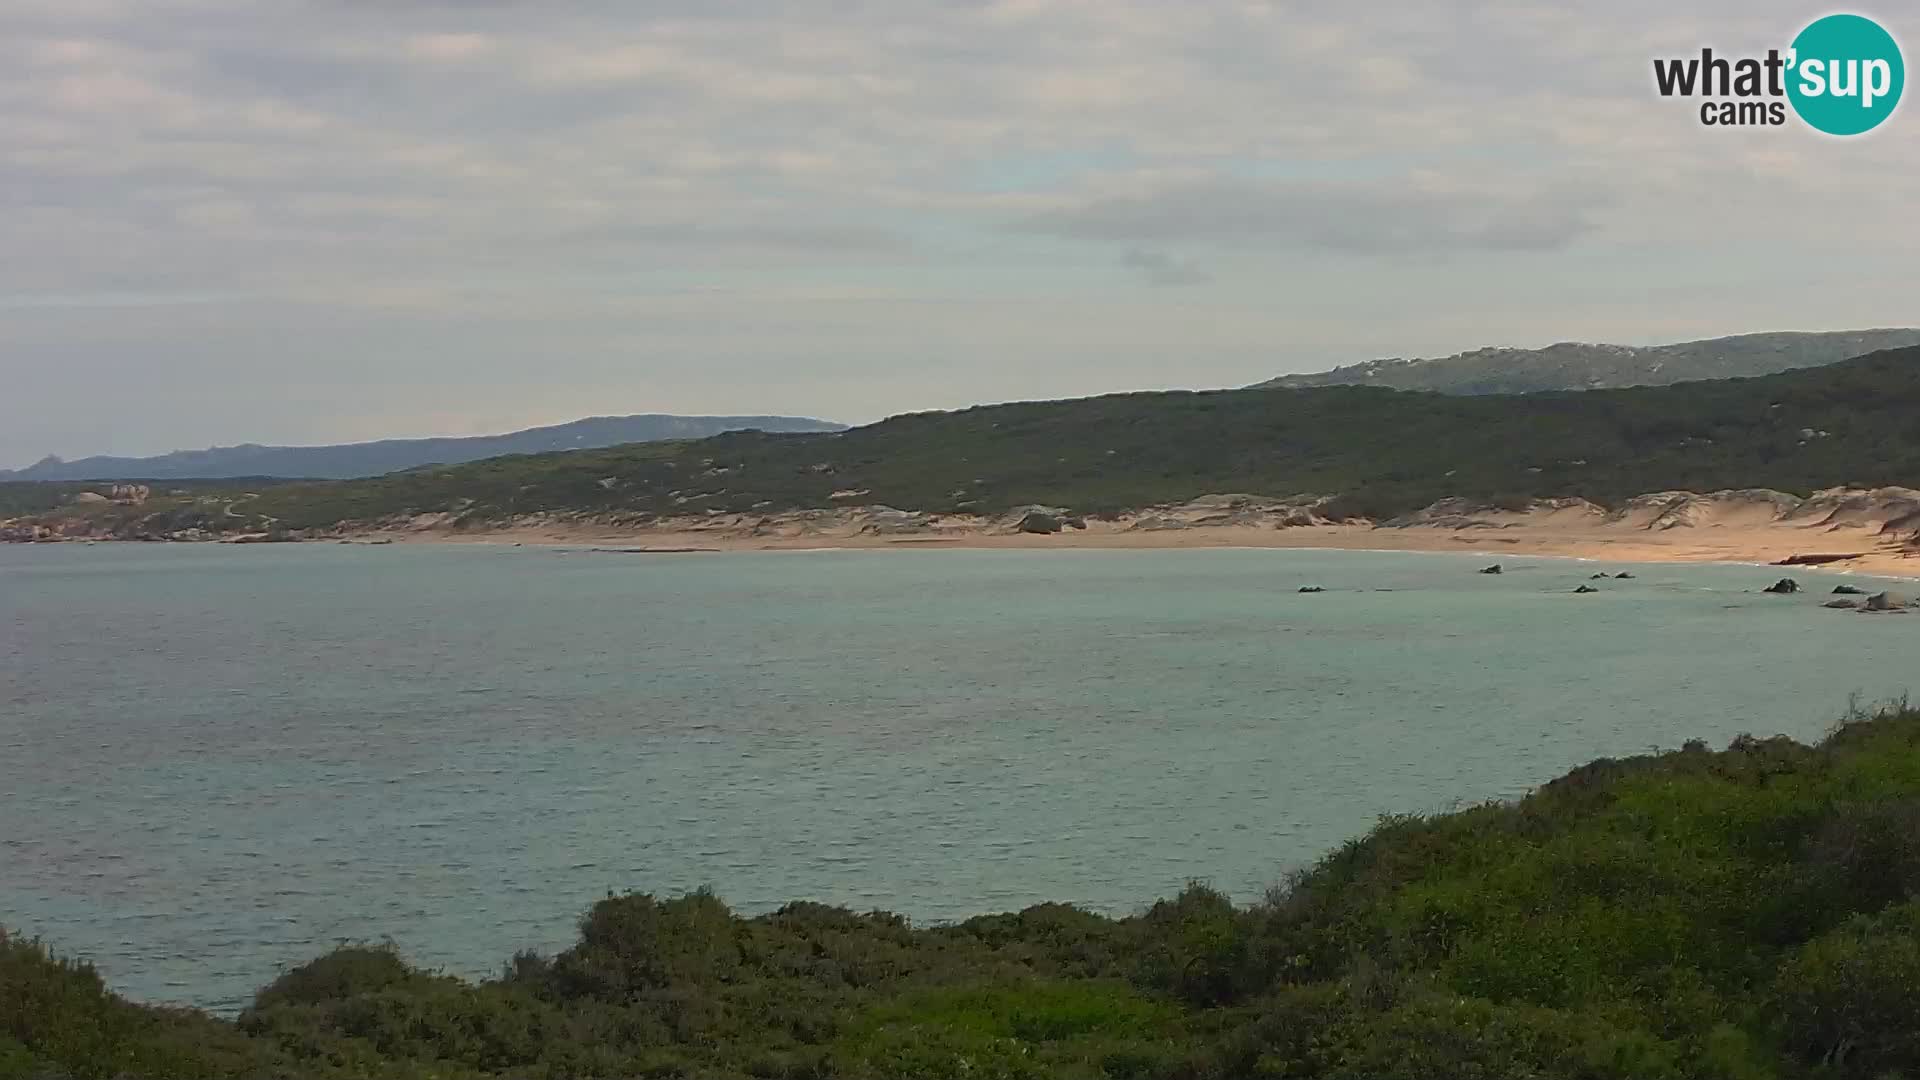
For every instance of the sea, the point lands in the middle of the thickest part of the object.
(219, 761)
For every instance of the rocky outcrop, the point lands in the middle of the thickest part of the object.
(1889, 510)
(886, 521)
(1494, 569)
(1156, 523)
(1663, 510)
(1784, 586)
(1246, 511)
(1469, 514)
(1887, 601)
(1039, 524)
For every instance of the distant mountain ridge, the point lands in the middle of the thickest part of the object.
(349, 461)
(1572, 365)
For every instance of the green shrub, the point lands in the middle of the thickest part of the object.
(1850, 999)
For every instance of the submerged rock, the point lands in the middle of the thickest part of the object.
(1848, 590)
(1586, 589)
(1494, 569)
(1783, 586)
(1623, 576)
(1311, 588)
(1841, 603)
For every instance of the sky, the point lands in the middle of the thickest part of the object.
(319, 221)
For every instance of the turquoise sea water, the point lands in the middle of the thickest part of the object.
(216, 761)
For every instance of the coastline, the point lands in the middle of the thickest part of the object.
(1867, 531)
(1756, 545)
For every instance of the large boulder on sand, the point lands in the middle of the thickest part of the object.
(1039, 523)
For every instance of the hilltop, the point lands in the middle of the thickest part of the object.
(1347, 452)
(350, 460)
(1573, 365)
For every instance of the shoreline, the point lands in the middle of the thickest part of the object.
(1757, 546)
(1865, 531)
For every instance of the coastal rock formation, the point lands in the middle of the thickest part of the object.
(1783, 586)
(1467, 514)
(1246, 511)
(1494, 569)
(1848, 590)
(1039, 523)
(1156, 523)
(1586, 589)
(1886, 601)
(1891, 510)
(1841, 603)
(886, 521)
(1686, 510)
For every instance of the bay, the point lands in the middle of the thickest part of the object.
(217, 761)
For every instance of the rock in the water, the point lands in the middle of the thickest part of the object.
(1494, 569)
(1841, 604)
(1783, 586)
(1311, 588)
(1040, 524)
(1848, 590)
(1623, 576)
(1586, 589)
(1599, 577)
(1886, 601)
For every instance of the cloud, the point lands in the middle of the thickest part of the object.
(1366, 218)
(1160, 268)
(456, 200)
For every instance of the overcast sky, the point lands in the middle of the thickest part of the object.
(329, 220)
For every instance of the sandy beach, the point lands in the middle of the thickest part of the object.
(1869, 528)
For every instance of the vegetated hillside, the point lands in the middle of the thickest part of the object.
(1573, 365)
(22, 497)
(374, 458)
(1383, 451)
(1744, 914)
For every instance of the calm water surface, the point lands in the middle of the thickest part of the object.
(216, 761)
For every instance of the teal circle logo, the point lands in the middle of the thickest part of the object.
(1845, 74)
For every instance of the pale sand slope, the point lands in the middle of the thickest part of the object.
(1881, 527)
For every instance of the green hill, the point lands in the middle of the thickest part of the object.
(1740, 915)
(1573, 365)
(1384, 451)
